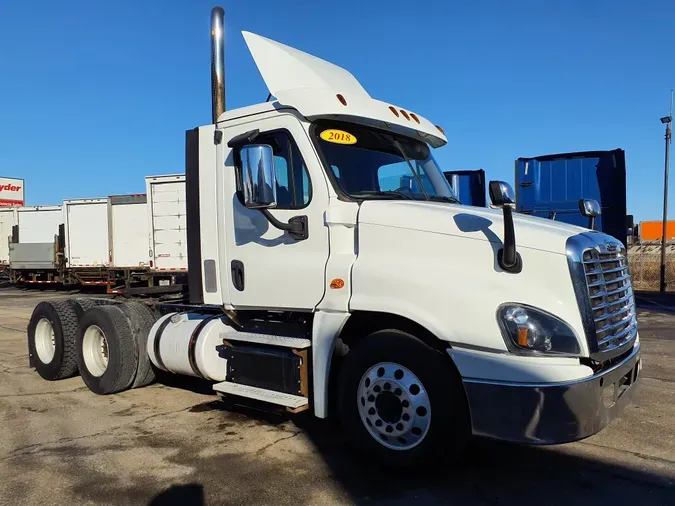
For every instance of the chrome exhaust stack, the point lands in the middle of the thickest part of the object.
(217, 63)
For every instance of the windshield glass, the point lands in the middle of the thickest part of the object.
(370, 163)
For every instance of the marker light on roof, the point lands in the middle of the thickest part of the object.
(341, 99)
(405, 115)
(393, 109)
(440, 129)
(414, 116)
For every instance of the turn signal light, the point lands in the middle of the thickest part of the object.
(337, 283)
(522, 337)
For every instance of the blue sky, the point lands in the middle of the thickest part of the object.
(96, 95)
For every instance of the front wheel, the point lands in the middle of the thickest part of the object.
(402, 402)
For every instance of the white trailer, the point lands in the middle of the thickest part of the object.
(38, 224)
(128, 231)
(86, 226)
(35, 251)
(167, 223)
(7, 221)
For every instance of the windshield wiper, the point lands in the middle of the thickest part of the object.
(412, 169)
(444, 198)
(390, 193)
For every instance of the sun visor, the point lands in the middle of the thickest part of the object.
(317, 88)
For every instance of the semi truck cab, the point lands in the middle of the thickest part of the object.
(332, 269)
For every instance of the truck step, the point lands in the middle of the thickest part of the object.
(269, 339)
(294, 402)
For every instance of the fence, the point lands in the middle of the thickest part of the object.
(645, 266)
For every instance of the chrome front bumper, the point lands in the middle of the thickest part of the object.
(554, 412)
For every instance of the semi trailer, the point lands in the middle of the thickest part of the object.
(132, 244)
(315, 285)
(36, 245)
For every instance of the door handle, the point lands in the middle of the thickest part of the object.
(237, 270)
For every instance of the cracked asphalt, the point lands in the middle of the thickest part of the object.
(176, 443)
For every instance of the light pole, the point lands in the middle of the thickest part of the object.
(667, 120)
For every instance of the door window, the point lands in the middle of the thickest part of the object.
(294, 189)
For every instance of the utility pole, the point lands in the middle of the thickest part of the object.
(668, 120)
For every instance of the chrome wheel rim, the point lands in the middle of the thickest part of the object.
(394, 406)
(45, 344)
(95, 351)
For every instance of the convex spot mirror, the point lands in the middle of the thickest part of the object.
(501, 193)
(589, 208)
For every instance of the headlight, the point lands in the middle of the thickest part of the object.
(531, 330)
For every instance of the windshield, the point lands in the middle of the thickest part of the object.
(373, 164)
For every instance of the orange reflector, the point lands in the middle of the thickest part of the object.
(337, 283)
(341, 99)
(440, 129)
(522, 337)
(413, 116)
(405, 114)
(393, 109)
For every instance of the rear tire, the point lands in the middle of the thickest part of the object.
(81, 304)
(402, 402)
(141, 319)
(106, 350)
(52, 332)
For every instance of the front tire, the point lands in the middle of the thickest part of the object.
(402, 402)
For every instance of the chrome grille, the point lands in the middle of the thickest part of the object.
(611, 296)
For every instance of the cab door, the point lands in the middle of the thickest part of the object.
(268, 268)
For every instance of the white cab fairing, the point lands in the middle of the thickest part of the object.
(311, 85)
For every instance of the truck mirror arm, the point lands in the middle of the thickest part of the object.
(296, 227)
(507, 257)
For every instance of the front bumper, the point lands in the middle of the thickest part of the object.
(554, 412)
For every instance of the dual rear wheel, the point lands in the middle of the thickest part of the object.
(103, 340)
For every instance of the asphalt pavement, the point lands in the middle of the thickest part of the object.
(179, 444)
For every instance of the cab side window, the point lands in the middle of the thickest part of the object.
(294, 189)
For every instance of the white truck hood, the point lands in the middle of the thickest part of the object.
(468, 222)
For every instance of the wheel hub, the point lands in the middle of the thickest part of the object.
(45, 343)
(394, 406)
(95, 350)
(389, 407)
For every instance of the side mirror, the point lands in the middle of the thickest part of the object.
(501, 195)
(590, 208)
(259, 178)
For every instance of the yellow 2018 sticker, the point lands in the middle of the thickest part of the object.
(338, 137)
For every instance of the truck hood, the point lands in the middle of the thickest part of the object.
(467, 222)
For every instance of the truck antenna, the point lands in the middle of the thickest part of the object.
(217, 63)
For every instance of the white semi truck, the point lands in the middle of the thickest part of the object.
(331, 269)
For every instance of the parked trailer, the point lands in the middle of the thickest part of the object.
(128, 231)
(167, 222)
(499, 324)
(551, 186)
(87, 250)
(652, 231)
(7, 222)
(36, 250)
